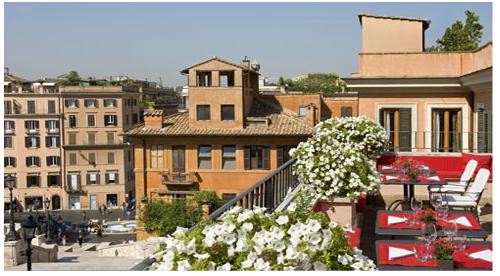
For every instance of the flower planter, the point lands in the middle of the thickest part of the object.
(445, 264)
(340, 209)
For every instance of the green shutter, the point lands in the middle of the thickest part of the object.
(405, 129)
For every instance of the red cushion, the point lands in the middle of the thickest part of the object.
(483, 161)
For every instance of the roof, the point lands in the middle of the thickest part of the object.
(186, 70)
(12, 78)
(280, 124)
(426, 22)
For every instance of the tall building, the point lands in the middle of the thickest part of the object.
(230, 137)
(427, 101)
(32, 142)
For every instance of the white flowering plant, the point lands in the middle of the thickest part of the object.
(335, 161)
(253, 240)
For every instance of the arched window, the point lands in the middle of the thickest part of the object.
(56, 202)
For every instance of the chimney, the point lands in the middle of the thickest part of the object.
(246, 63)
(153, 118)
(311, 115)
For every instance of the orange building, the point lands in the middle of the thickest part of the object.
(231, 137)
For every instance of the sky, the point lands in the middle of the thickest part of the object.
(157, 40)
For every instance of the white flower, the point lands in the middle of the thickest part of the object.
(288, 268)
(180, 231)
(261, 265)
(201, 256)
(314, 238)
(319, 266)
(282, 220)
(183, 265)
(225, 267)
(247, 226)
(229, 238)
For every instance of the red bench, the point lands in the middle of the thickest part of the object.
(449, 167)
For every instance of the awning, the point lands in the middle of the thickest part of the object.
(6, 82)
(36, 84)
(48, 83)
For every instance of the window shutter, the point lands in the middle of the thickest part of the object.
(116, 178)
(88, 179)
(247, 157)
(37, 142)
(47, 124)
(57, 141)
(107, 178)
(97, 178)
(279, 151)
(115, 121)
(14, 162)
(265, 157)
(47, 141)
(26, 124)
(57, 124)
(79, 180)
(96, 103)
(37, 124)
(37, 159)
(77, 103)
(27, 142)
(481, 127)
(405, 129)
(48, 160)
(66, 104)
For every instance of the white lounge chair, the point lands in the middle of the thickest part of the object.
(459, 187)
(470, 198)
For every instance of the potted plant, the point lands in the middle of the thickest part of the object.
(443, 253)
(337, 165)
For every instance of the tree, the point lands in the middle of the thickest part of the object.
(327, 83)
(460, 36)
(72, 78)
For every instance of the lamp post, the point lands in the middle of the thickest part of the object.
(10, 183)
(29, 227)
(48, 234)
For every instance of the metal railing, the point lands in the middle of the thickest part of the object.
(452, 141)
(268, 192)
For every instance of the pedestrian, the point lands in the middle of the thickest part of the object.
(84, 216)
(100, 210)
(104, 208)
(80, 236)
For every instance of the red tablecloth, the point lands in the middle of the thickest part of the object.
(354, 238)
(461, 260)
(383, 256)
(459, 257)
(403, 177)
(383, 219)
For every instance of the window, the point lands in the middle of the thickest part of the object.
(111, 177)
(32, 181)
(52, 126)
(91, 138)
(92, 158)
(346, 111)
(156, 156)
(228, 196)
(134, 102)
(53, 161)
(32, 161)
(52, 141)
(9, 161)
(283, 154)
(53, 180)
(7, 105)
(110, 120)
(72, 120)
(111, 157)
(51, 107)
(91, 120)
(135, 118)
(109, 103)
(203, 112)
(256, 158)
(32, 125)
(228, 157)
(227, 112)
(93, 178)
(31, 107)
(32, 142)
(71, 103)
(72, 158)
(129, 155)
(204, 157)
(7, 141)
(110, 137)
(74, 181)
(90, 103)
(33, 202)
(203, 78)
(72, 138)
(9, 126)
(226, 78)
(302, 111)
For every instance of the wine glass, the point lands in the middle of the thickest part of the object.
(442, 212)
(415, 206)
(421, 252)
(436, 201)
(450, 229)
(429, 233)
(461, 242)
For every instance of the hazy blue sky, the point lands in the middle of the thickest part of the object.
(159, 39)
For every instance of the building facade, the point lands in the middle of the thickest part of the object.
(427, 101)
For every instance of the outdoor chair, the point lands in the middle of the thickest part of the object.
(468, 200)
(455, 188)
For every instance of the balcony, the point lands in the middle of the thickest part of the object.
(178, 178)
(52, 130)
(9, 131)
(33, 131)
(74, 188)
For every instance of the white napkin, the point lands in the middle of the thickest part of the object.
(395, 253)
(390, 177)
(394, 220)
(486, 255)
(386, 167)
(434, 178)
(462, 220)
